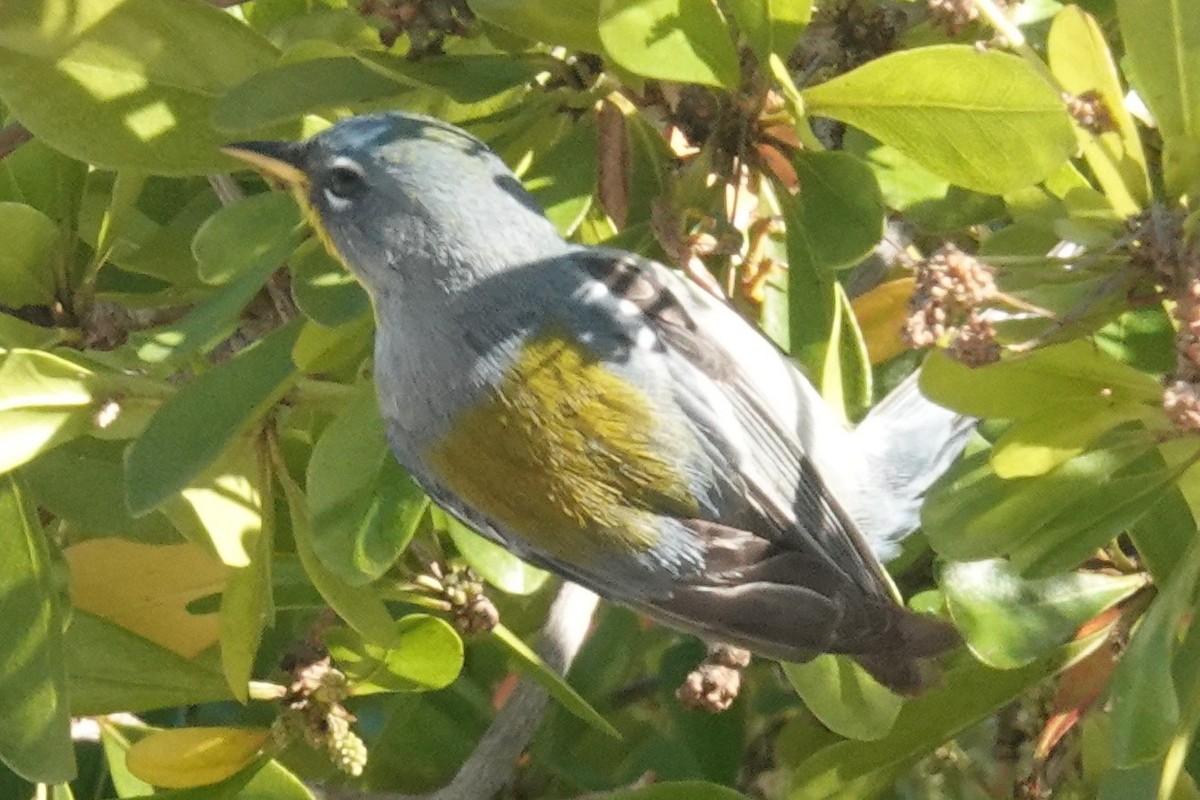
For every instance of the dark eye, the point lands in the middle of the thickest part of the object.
(344, 182)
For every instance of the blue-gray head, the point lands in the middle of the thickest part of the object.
(403, 199)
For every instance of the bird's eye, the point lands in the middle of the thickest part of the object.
(344, 182)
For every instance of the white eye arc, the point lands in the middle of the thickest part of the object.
(344, 182)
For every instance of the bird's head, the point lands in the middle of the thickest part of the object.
(397, 197)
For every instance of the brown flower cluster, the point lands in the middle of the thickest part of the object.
(427, 22)
(313, 710)
(951, 288)
(715, 683)
(1091, 112)
(461, 594)
(953, 16)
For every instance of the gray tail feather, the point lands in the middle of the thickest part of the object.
(911, 441)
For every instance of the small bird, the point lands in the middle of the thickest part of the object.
(610, 421)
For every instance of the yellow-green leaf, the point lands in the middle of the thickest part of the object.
(184, 757)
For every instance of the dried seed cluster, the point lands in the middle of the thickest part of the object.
(951, 288)
(1091, 112)
(462, 592)
(313, 710)
(427, 22)
(715, 683)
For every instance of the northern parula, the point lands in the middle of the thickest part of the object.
(607, 419)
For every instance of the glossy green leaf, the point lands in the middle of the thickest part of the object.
(35, 725)
(238, 237)
(83, 482)
(26, 272)
(221, 508)
(290, 90)
(983, 120)
(556, 685)
(1160, 43)
(672, 40)
(840, 210)
(111, 669)
(1019, 387)
(770, 26)
(107, 82)
(323, 289)
(1046, 524)
(1146, 708)
(844, 697)
(968, 693)
(1036, 444)
(17, 334)
(464, 79)
(246, 609)
(548, 21)
(424, 653)
(364, 508)
(562, 179)
(1010, 621)
(167, 254)
(46, 400)
(1081, 61)
(193, 427)
(359, 606)
(496, 565)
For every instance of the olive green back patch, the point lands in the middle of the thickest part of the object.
(567, 455)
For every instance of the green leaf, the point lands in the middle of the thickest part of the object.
(111, 669)
(108, 83)
(967, 694)
(359, 606)
(1081, 61)
(840, 210)
(562, 178)
(550, 21)
(290, 90)
(246, 608)
(323, 289)
(26, 273)
(1160, 43)
(556, 685)
(844, 697)
(1009, 621)
(771, 26)
(1036, 444)
(1046, 524)
(496, 565)
(1018, 387)
(1145, 705)
(363, 506)
(464, 79)
(82, 482)
(167, 254)
(425, 653)
(238, 237)
(193, 427)
(35, 725)
(671, 40)
(46, 400)
(983, 120)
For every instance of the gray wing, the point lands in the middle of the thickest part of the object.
(788, 572)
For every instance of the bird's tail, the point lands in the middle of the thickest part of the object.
(907, 669)
(911, 441)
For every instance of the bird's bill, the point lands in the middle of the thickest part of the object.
(282, 160)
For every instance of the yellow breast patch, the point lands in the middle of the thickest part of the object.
(566, 454)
